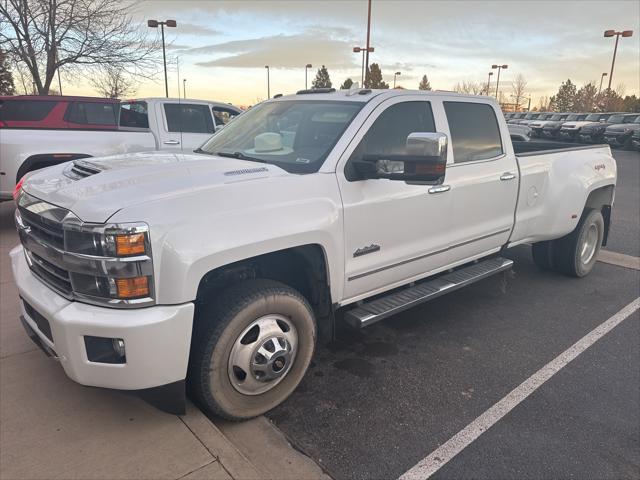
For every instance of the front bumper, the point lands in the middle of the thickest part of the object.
(157, 339)
(616, 139)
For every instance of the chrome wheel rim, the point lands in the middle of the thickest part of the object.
(589, 245)
(263, 354)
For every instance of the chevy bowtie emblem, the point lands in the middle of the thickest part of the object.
(364, 250)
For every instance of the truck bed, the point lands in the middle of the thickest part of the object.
(537, 148)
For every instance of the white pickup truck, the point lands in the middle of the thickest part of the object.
(218, 270)
(140, 125)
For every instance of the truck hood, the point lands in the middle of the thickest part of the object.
(577, 124)
(623, 127)
(540, 123)
(113, 183)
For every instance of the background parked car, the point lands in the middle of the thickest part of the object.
(635, 140)
(39, 132)
(516, 116)
(619, 135)
(552, 128)
(537, 125)
(59, 112)
(571, 130)
(594, 132)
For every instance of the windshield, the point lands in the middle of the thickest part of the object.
(575, 116)
(556, 117)
(530, 116)
(593, 117)
(619, 119)
(637, 120)
(294, 135)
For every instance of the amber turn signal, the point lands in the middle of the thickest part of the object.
(130, 244)
(135, 287)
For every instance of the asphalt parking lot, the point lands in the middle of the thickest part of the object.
(378, 401)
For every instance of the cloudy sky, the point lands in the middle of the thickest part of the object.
(223, 46)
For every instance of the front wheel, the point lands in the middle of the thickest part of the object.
(250, 349)
(576, 254)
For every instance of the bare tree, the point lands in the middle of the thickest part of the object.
(114, 83)
(543, 104)
(78, 35)
(519, 86)
(469, 87)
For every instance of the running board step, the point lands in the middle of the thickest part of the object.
(370, 312)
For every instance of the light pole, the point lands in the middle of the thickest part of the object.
(168, 23)
(184, 88)
(489, 82)
(363, 50)
(604, 74)
(268, 85)
(499, 67)
(611, 33)
(529, 105)
(306, 67)
(369, 49)
(394, 78)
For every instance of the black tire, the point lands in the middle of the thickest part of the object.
(219, 325)
(542, 253)
(568, 250)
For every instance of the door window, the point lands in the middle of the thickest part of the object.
(223, 115)
(134, 115)
(188, 118)
(475, 134)
(92, 113)
(388, 134)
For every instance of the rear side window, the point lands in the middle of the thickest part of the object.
(26, 110)
(223, 115)
(91, 113)
(188, 118)
(475, 134)
(134, 115)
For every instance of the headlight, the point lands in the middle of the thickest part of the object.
(102, 264)
(118, 258)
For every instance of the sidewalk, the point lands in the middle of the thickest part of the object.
(53, 428)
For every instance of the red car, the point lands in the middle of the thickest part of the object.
(59, 112)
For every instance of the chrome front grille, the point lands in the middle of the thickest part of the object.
(46, 230)
(42, 237)
(56, 277)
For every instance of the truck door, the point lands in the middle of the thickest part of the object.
(483, 180)
(185, 126)
(393, 232)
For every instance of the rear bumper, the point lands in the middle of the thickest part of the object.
(157, 339)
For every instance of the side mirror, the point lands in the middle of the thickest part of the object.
(424, 161)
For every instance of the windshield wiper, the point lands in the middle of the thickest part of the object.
(240, 156)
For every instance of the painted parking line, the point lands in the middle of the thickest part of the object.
(447, 451)
(619, 259)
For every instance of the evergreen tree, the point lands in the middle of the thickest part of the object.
(6, 77)
(565, 98)
(374, 77)
(348, 83)
(322, 79)
(424, 83)
(585, 99)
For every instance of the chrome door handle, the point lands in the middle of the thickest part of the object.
(440, 189)
(172, 142)
(507, 176)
